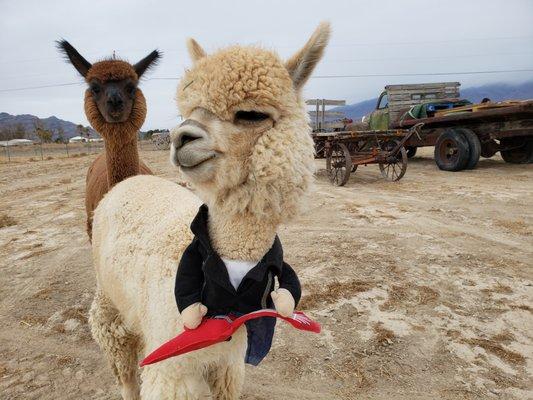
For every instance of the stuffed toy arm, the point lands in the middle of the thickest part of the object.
(192, 315)
(288, 295)
(188, 288)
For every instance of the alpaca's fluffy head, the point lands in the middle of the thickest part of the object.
(245, 143)
(113, 102)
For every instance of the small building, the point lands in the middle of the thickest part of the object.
(16, 142)
(77, 139)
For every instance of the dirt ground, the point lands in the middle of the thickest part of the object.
(423, 287)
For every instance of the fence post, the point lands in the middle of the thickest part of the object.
(66, 147)
(8, 152)
(42, 157)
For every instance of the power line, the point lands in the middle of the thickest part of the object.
(387, 75)
(420, 74)
(356, 44)
(313, 77)
(40, 87)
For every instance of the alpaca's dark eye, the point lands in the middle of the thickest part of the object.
(130, 88)
(95, 88)
(250, 117)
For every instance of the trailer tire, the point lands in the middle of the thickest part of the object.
(411, 151)
(520, 152)
(474, 145)
(452, 150)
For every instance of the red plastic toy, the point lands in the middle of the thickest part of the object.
(219, 329)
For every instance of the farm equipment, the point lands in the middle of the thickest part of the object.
(346, 150)
(161, 140)
(460, 131)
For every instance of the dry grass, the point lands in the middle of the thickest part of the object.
(498, 288)
(397, 295)
(503, 337)
(383, 336)
(6, 220)
(77, 313)
(409, 294)
(517, 226)
(31, 320)
(426, 295)
(524, 307)
(331, 293)
(498, 350)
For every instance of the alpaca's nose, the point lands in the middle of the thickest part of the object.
(187, 133)
(115, 102)
(184, 138)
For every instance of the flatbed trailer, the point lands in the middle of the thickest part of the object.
(460, 131)
(507, 128)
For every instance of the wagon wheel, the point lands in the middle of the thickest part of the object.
(396, 166)
(353, 148)
(339, 164)
(319, 149)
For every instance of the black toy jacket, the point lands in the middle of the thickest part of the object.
(202, 277)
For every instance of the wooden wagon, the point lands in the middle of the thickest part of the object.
(346, 150)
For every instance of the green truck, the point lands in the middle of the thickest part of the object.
(460, 131)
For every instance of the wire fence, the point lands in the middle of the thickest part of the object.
(46, 151)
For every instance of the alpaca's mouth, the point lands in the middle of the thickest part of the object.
(190, 166)
(192, 155)
(115, 116)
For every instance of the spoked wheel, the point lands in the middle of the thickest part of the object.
(395, 168)
(355, 147)
(320, 151)
(339, 164)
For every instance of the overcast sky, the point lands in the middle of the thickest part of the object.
(369, 37)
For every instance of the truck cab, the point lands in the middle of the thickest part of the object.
(379, 118)
(397, 101)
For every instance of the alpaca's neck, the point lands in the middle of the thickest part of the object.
(122, 161)
(240, 238)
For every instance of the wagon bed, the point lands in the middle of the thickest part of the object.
(344, 151)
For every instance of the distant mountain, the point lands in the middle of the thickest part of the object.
(494, 91)
(28, 121)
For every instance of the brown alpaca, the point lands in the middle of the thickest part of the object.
(116, 109)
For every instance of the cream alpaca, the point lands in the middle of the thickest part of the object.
(246, 149)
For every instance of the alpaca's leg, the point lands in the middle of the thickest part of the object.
(226, 380)
(169, 382)
(119, 345)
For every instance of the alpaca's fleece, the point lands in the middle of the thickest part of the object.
(268, 182)
(111, 70)
(140, 231)
(121, 159)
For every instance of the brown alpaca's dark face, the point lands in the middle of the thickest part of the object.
(114, 98)
(112, 82)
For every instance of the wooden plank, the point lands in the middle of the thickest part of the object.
(476, 107)
(440, 96)
(422, 85)
(327, 125)
(314, 102)
(424, 90)
(421, 92)
(327, 113)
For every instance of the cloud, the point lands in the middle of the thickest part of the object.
(369, 37)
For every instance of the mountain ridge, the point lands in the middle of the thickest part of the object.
(494, 91)
(52, 123)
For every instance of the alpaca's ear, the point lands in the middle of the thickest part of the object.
(75, 58)
(147, 62)
(195, 50)
(302, 64)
